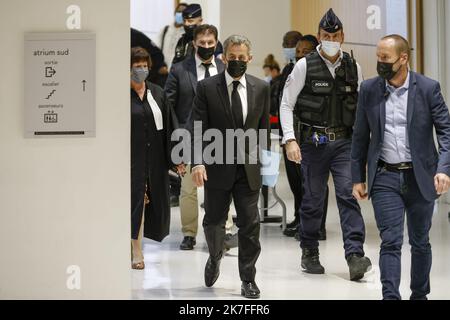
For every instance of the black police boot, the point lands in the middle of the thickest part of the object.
(310, 261)
(212, 271)
(188, 243)
(358, 265)
(290, 232)
(250, 290)
(322, 234)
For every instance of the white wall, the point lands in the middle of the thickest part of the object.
(263, 22)
(436, 30)
(65, 201)
(151, 16)
(436, 15)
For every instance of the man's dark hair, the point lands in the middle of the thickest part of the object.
(311, 39)
(206, 29)
(139, 54)
(291, 38)
(401, 44)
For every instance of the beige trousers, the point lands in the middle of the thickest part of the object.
(189, 207)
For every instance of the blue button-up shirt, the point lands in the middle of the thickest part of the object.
(395, 147)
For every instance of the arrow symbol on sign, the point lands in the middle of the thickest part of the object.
(84, 85)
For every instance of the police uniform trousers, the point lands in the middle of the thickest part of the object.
(317, 163)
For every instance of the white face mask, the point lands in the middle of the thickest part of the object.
(331, 48)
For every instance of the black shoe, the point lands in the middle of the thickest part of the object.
(322, 235)
(294, 223)
(290, 232)
(231, 241)
(310, 261)
(250, 290)
(358, 265)
(297, 236)
(188, 243)
(174, 201)
(212, 271)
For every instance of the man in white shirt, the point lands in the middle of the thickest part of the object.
(322, 91)
(237, 102)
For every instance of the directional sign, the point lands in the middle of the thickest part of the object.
(59, 84)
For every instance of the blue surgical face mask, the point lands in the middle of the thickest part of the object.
(179, 18)
(289, 54)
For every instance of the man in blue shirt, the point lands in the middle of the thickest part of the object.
(393, 135)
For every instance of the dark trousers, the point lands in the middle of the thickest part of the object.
(392, 194)
(317, 163)
(295, 180)
(175, 186)
(217, 205)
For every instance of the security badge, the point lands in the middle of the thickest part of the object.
(320, 84)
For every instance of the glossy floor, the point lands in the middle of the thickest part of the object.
(174, 274)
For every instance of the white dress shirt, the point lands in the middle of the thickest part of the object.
(294, 85)
(157, 114)
(201, 69)
(242, 90)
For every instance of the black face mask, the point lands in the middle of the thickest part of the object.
(385, 69)
(205, 53)
(236, 68)
(189, 31)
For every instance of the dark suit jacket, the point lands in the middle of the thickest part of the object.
(181, 87)
(212, 107)
(426, 108)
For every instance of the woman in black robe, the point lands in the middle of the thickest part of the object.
(150, 158)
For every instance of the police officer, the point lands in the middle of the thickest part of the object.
(322, 91)
(192, 18)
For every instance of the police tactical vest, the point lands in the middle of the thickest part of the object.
(326, 101)
(183, 49)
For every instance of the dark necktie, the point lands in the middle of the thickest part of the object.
(207, 65)
(236, 106)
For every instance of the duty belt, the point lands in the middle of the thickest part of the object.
(320, 135)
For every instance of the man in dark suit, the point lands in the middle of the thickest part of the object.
(394, 135)
(180, 89)
(237, 102)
